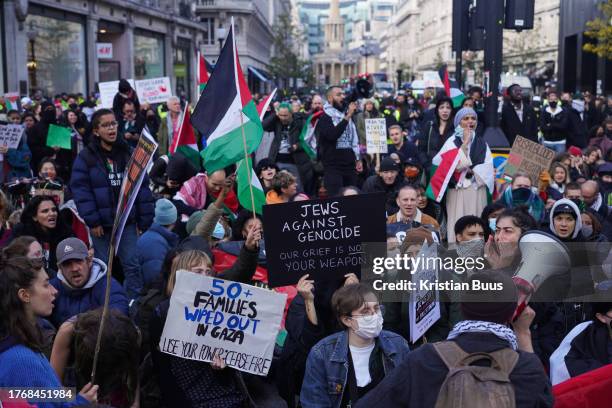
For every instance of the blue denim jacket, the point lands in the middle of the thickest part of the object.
(327, 367)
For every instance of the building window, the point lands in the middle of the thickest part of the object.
(55, 55)
(208, 29)
(182, 68)
(148, 55)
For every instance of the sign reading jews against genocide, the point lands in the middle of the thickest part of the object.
(376, 135)
(322, 238)
(10, 135)
(530, 157)
(155, 90)
(424, 307)
(211, 317)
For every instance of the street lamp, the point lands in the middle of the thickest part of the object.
(32, 33)
(365, 50)
(221, 33)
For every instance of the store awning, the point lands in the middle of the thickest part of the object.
(258, 74)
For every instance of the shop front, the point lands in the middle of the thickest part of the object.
(149, 55)
(55, 49)
(182, 68)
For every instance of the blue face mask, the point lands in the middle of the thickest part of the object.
(219, 232)
(492, 224)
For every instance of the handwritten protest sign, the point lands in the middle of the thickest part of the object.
(376, 135)
(108, 91)
(10, 135)
(210, 316)
(135, 172)
(530, 157)
(321, 237)
(155, 90)
(424, 307)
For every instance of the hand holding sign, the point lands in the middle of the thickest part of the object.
(253, 237)
(3, 149)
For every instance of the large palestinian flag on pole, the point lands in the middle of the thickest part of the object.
(226, 115)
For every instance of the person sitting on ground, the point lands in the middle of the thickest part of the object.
(418, 380)
(284, 187)
(407, 198)
(26, 296)
(387, 181)
(153, 245)
(81, 283)
(356, 359)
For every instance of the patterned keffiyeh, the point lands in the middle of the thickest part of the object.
(479, 326)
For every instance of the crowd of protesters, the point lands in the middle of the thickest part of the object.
(344, 346)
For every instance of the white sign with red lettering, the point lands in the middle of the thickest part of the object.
(155, 90)
(104, 50)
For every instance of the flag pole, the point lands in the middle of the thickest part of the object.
(246, 163)
(109, 274)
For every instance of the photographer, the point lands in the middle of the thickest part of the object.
(338, 142)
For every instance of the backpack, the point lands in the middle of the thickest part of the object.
(475, 386)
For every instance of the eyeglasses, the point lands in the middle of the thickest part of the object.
(377, 309)
(107, 125)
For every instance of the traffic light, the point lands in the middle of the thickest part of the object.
(476, 39)
(519, 14)
(460, 24)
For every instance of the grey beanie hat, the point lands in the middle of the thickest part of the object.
(165, 212)
(464, 112)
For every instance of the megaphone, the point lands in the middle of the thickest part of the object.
(362, 89)
(542, 257)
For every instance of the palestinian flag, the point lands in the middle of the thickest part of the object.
(226, 115)
(457, 97)
(203, 75)
(262, 107)
(443, 72)
(11, 101)
(185, 142)
(308, 140)
(247, 182)
(442, 169)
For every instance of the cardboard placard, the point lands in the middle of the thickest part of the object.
(108, 90)
(322, 238)
(10, 135)
(424, 307)
(211, 316)
(59, 136)
(376, 136)
(155, 90)
(529, 157)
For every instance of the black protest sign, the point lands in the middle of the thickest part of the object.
(322, 238)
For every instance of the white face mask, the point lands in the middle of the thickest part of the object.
(369, 327)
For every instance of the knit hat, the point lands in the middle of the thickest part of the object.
(574, 151)
(564, 209)
(165, 212)
(387, 164)
(193, 221)
(463, 112)
(488, 305)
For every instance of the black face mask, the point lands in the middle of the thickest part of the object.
(521, 194)
(553, 105)
(579, 203)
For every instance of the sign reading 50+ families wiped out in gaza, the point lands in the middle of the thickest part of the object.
(322, 238)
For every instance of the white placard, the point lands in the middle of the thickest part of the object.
(104, 50)
(424, 307)
(376, 135)
(108, 91)
(155, 90)
(211, 316)
(10, 135)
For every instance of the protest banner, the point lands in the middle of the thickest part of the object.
(108, 91)
(376, 136)
(59, 136)
(135, 172)
(155, 90)
(530, 157)
(323, 238)
(11, 99)
(210, 316)
(424, 306)
(10, 135)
